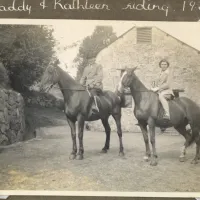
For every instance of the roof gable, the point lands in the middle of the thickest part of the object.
(134, 27)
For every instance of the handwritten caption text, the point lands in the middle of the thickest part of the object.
(134, 6)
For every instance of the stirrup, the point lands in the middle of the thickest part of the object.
(88, 92)
(166, 118)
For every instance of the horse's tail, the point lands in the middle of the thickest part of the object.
(192, 139)
(192, 111)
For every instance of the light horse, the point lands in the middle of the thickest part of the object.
(149, 112)
(78, 107)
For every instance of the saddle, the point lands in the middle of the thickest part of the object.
(94, 91)
(176, 92)
(169, 97)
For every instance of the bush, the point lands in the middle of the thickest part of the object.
(25, 52)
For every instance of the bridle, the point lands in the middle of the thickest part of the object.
(128, 86)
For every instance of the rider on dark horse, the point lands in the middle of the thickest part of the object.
(163, 88)
(92, 79)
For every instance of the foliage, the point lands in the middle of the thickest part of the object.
(100, 38)
(25, 51)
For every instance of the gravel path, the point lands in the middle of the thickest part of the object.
(43, 164)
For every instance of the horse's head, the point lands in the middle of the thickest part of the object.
(50, 76)
(126, 79)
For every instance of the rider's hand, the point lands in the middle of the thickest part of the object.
(155, 89)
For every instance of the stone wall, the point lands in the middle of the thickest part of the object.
(184, 60)
(12, 119)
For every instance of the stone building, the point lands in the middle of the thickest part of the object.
(145, 47)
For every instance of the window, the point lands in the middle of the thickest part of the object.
(144, 35)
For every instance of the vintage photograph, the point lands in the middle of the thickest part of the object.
(90, 105)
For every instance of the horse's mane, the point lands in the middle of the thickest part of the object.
(68, 77)
(139, 83)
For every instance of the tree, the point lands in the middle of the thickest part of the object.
(25, 52)
(100, 38)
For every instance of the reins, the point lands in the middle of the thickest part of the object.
(71, 89)
(86, 90)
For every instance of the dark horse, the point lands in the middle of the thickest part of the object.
(148, 111)
(78, 107)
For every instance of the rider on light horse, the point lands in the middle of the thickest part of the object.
(162, 86)
(92, 78)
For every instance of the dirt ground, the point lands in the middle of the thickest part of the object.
(43, 164)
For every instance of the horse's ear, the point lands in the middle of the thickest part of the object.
(135, 68)
(126, 68)
(57, 62)
(129, 70)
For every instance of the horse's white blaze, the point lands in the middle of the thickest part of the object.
(120, 87)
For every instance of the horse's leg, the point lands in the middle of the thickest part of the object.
(151, 124)
(117, 118)
(107, 131)
(182, 130)
(199, 148)
(143, 127)
(73, 135)
(197, 156)
(81, 123)
(197, 141)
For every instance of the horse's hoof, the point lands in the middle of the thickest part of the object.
(182, 159)
(194, 162)
(72, 156)
(79, 157)
(103, 151)
(153, 163)
(146, 158)
(121, 154)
